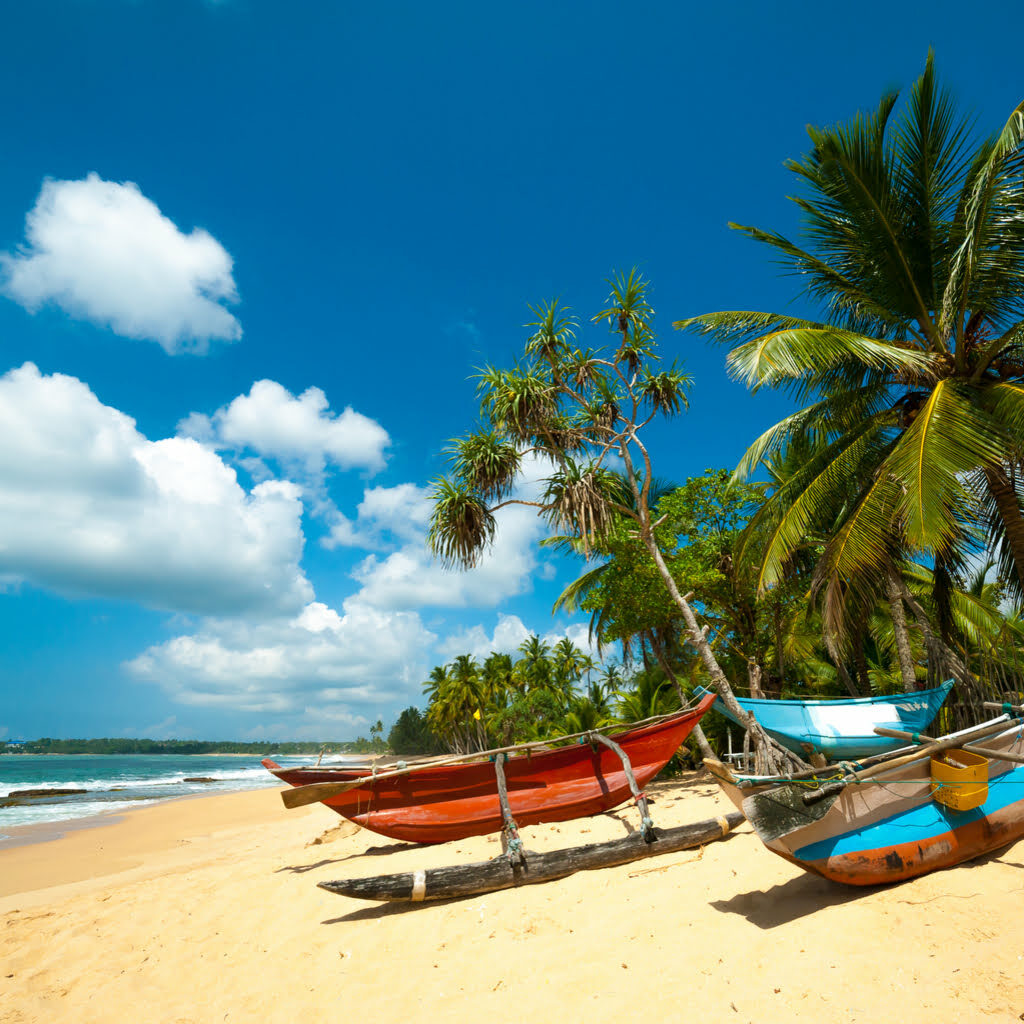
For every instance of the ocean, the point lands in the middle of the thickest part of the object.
(118, 782)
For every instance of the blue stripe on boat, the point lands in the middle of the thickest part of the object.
(927, 821)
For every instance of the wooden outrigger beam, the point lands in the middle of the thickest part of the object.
(492, 875)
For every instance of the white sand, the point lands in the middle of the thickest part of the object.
(206, 910)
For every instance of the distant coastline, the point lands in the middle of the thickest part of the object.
(118, 745)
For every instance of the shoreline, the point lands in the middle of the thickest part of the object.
(221, 890)
(16, 836)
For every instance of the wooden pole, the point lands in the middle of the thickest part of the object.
(965, 745)
(647, 825)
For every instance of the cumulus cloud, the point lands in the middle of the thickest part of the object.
(410, 577)
(399, 512)
(103, 252)
(90, 506)
(299, 432)
(319, 662)
(509, 633)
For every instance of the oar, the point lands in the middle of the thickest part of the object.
(1007, 709)
(995, 755)
(778, 811)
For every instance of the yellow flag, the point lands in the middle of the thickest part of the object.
(476, 714)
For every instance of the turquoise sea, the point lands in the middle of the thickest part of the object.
(118, 782)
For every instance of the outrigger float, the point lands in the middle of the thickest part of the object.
(454, 798)
(508, 872)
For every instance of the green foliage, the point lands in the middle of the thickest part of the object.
(543, 693)
(912, 382)
(411, 735)
(573, 406)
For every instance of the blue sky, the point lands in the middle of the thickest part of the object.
(252, 253)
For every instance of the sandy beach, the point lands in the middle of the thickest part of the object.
(206, 909)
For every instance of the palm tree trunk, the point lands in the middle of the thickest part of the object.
(769, 756)
(1005, 495)
(780, 647)
(899, 626)
(952, 662)
(754, 676)
(837, 659)
(698, 732)
(860, 660)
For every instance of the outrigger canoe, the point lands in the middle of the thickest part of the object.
(844, 728)
(436, 803)
(901, 817)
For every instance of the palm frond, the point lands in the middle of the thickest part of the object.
(947, 440)
(461, 525)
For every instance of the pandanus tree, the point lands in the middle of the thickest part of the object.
(581, 410)
(911, 383)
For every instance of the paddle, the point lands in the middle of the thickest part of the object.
(995, 755)
(783, 809)
(1007, 709)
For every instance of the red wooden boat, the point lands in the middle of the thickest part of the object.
(439, 803)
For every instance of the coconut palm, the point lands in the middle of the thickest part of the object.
(580, 409)
(534, 668)
(912, 382)
(567, 665)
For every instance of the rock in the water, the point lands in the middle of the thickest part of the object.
(199, 778)
(30, 794)
(17, 797)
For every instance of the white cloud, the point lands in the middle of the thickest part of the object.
(411, 578)
(401, 511)
(318, 663)
(509, 633)
(165, 730)
(103, 252)
(301, 432)
(89, 506)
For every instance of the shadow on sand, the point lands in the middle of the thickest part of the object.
(379, 910)
(806, 894)
(370, 851)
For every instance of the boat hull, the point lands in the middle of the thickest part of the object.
(889, 828)
(843, 729)
(455, 801)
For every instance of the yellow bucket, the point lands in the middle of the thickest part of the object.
(960, 779)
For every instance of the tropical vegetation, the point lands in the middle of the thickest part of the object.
(905, 454)
(870, 542)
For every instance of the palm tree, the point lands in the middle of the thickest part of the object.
(581, 409)
(534, 666)
(567, 662)
(912, 383)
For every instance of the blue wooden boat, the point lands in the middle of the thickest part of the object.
(900, 819)
(841, 729)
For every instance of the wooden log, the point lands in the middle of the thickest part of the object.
(492, 875)
(1007, 709)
